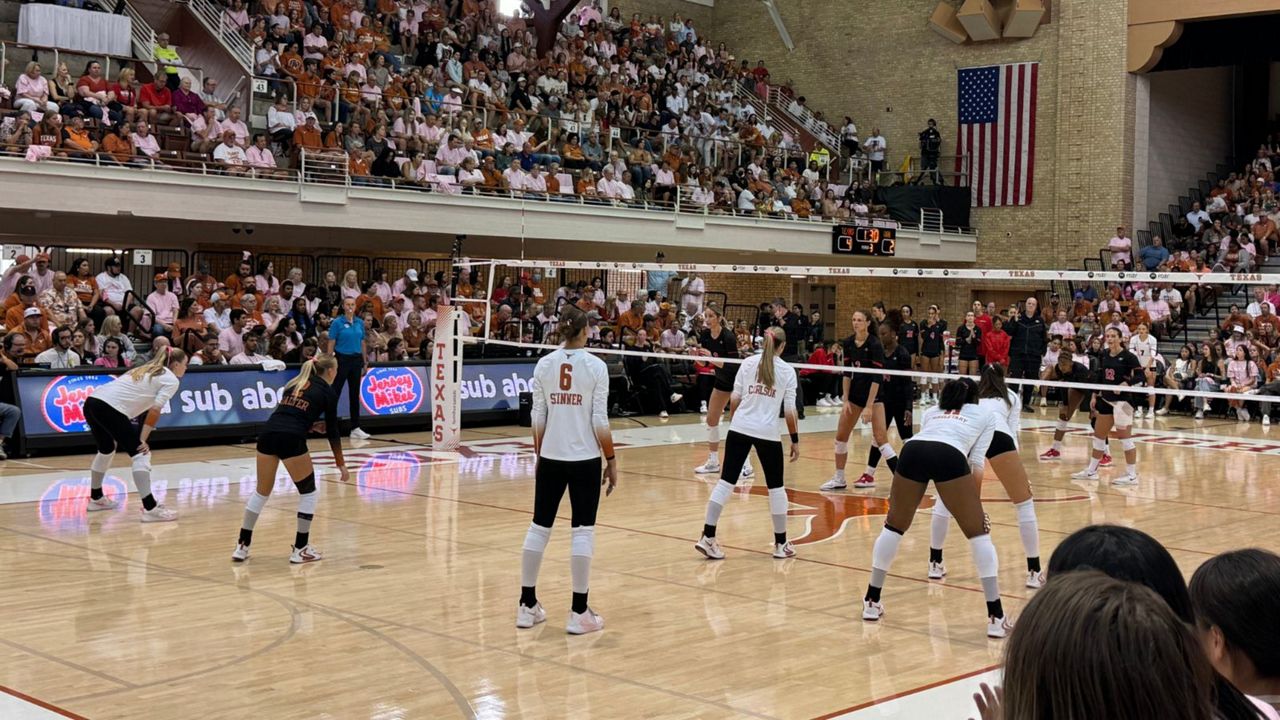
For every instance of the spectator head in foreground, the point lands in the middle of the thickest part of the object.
(1092, 646)
(1234, 597)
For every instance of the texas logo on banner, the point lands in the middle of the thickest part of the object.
(63, 400)
(391, 391)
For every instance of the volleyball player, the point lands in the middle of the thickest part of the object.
(764, 388)
(898, 394)
(1004, 404)
(718, 341)
(570, 434)
(1143, 345)
(950, 450)
(861, 392)
(305, 401)
(1120, 368)
(932, 343)
(1069, 368)
(110, 412)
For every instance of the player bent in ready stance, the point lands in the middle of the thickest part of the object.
(303, 401)
(950, 450)
(570, 434)
(764, 387)
(110, 411)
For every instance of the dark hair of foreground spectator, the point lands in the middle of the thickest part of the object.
(1091, 646)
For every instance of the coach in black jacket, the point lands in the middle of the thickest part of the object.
(793, 327)
(1028, 337)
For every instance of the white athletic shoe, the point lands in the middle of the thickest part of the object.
(664, 415)
(1085, 474)
(710, 467)
(1163, 411)
(835, 483)
(159, 513)
(1125, 480)
(306, 554)
(1244, 414)
(1035, 580)
(785, 550)
(359, 434)
(241, 553)
(1199, 414)
(1137, 413)
(676, 397)
(528, 617)
(822, 402)
(102, 503)
(1266, 421)
(998, 627)
(709, 547)
(583, 623)
(937, 571)
(748, 471)
(872, 611)
(1044, 401)
(702, 409)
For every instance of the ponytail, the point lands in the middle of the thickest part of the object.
(299, 383)
(764, 371)
(158, 364)
(573, 322)
(991, 383)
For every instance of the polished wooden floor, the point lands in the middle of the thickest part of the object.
(411, 613)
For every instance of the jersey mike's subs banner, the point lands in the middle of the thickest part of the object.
(53, 403)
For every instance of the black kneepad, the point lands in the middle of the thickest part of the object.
(307, 484)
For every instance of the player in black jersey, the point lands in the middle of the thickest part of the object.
(1120, 368)
(861, 392)
(932, 343)
(307, 403)
(718, 341)
(1067, 369)
(909, 335)
(897, 392)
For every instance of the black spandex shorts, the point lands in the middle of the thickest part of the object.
(858, 395)
(1104, 406)
(1001, 443)
(722, 384)
(282, 445)
(925, 460)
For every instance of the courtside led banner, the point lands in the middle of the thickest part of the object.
(53, 404)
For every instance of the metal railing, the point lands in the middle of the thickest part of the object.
(806, 119)
(209, 14)
(140, 32)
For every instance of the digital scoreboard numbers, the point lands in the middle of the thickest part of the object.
(864, 240)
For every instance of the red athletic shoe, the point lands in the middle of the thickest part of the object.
(1050, 454)
(1106, 461)
(864, 481)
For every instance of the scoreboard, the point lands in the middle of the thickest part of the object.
(864, 240)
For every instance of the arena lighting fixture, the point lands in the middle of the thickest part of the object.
(91, 251)
(799, 277)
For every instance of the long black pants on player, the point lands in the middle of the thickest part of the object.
(111, 430)
(350, 372)
(799, 387)
(657, 382)
(1026, 367)
(581, 478)
(736, 448)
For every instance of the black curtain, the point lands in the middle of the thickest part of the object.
(906, 201)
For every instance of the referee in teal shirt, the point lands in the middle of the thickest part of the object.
(347, 342)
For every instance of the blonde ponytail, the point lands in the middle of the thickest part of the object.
(157, 365)
(764, 371)
(299, 383)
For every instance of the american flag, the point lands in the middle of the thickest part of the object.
(998, 132)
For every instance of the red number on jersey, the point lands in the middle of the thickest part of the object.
(566, 376)
(1111, 374)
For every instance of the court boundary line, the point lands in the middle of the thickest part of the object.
(41, 703)
(905, 693)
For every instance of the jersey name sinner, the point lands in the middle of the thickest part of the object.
(564, 398)
(758, 389)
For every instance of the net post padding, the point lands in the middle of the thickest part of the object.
(446, 379)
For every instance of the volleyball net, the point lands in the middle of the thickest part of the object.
(740, 292)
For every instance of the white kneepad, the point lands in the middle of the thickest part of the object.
(778, 501)
(583, 542)
(537, 538)
(842, 448)
(1099, 444)
(141, 462)
(102, 463)
(1128, 444)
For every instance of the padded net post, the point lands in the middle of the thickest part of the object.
(446, 376)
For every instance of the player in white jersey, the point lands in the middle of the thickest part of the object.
(1143, 344)
(950, 450)
(570, 435)
(996, 397)
(110, 412)
(764, 388)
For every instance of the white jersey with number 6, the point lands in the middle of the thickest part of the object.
(759, 406)
(570, 404)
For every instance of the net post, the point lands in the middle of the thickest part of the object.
(446, 378)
